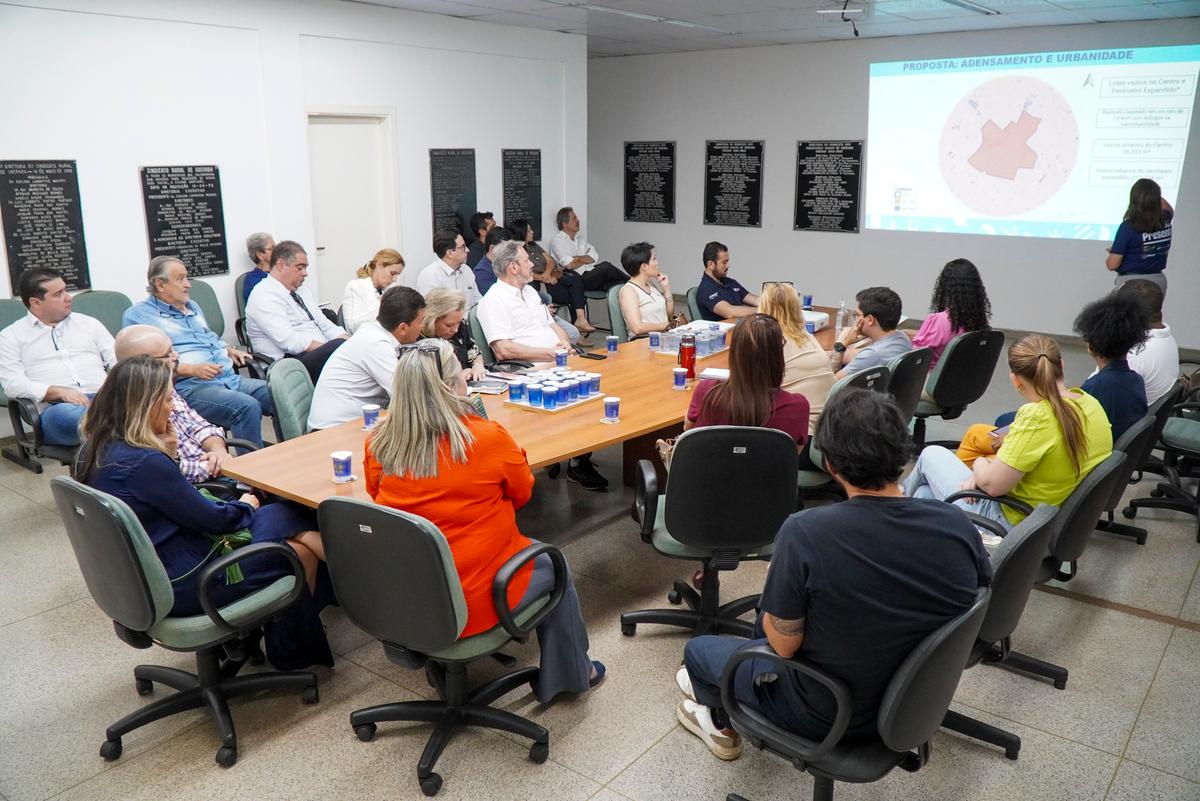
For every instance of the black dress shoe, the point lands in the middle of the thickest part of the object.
(586, 476)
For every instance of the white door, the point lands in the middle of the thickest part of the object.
(354, 207)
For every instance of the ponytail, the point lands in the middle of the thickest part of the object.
(1036, 359)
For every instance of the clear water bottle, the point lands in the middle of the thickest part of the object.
(840, 321)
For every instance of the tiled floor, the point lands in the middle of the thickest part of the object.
(1125, 729)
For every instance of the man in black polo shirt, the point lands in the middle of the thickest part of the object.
(853, 587)
(719, 296)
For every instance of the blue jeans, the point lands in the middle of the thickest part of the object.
(60, 423)
(564, 664)
(239, 410)
(939, 474)
(571, 330)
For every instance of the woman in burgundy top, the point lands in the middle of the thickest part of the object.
(752, 396)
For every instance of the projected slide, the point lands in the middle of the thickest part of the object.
(1034, 144)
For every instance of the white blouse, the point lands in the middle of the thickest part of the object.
(360, 303)
(652, 306)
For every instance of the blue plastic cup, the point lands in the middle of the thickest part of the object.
(655, 340)
(562, 393)
(593, 383)
(810, 327)
(585, 386)
(370, 413)
(342, 466)
(560, 358)
(573, 390)
(807, 301)
(516, 390)
(610, 344)
(680, 378)
(612, 409)
(549, 397)
(534, 393)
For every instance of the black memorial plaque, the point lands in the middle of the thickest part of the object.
(521, 179)
(650, 182)
(185, 217)
(828, 185)
(733, 170)
(452, 188)
(42, 220)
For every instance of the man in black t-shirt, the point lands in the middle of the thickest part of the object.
(853, 587)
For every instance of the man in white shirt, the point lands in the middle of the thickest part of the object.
(54, 357)
(572, 252)
(284, 319)
(362, 371)
(449, 270)
(517, 325)
(1157, 359)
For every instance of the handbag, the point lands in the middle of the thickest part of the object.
(222, 543)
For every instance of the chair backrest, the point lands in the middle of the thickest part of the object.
(921, 689)
(119, 565)
(485, 350)
(105, 305)
(206, 299)
(1138, 439)
(11, 310)
(907, 381)
(1076, 519)
(341, 317)
(393, 574)
(619, 329)
(1162, 410)
(876, 379)
(1015, 564)
(963, 373)
(239, 287)
(730, 486)
(693, 305)
(291, 391)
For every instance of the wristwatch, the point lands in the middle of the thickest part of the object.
(839, 347)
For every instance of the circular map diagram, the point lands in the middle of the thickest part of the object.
(1008, 146)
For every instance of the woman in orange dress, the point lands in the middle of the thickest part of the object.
(432, 456)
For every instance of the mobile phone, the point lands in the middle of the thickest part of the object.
(597, 356)
(999, 432)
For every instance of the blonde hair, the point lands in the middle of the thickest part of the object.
(1037, 360)
(424, 413)
(781, 302)
(382, 258)
(122, 411)
(440, 302)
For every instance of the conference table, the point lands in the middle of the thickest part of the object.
(301, 469)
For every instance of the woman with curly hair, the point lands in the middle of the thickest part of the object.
(1112, 327)
(1139, 250)
(959, 304)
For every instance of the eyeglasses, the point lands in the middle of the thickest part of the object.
(461, 247)
(766, 284)
(429, 349)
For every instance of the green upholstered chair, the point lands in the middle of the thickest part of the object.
(489, 356)
(616, 318)
(908, 373)
(693, 305)
(395, 579)
(206, 299)
(959, 379)
(239, 284)
(1179, 438)
(105, 305)
(595, 294)
(128, 583)
(23, 415)
(695, 521)
(291, 390)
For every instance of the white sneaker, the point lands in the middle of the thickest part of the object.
(696, 719)
(684, 682)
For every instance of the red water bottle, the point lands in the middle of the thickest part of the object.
(687, 355)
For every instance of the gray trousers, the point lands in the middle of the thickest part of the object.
(562, 638)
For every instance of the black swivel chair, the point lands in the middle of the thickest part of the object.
(1136, 443)
(913, 707)
(129, 584)
(1015, 564)
(728, 491)
(395, 578)
(960, 378)
(1180, 441)
(1070, 532)
(907, 381)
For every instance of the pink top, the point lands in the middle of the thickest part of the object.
(935, 333)
(790, 413)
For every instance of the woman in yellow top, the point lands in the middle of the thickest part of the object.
(1058, 436)
(805, 364)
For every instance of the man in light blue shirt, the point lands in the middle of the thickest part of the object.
(206, 376)
(879, 312)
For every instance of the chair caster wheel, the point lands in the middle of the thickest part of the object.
(1129, 513)
(673, 597)
(365, 732)
(538, 752)
(1060, 684)
(144, 686)
(628, 629)
(553, 471)
(111, 749)
(226, 756)
(311, 695)
(431, 784)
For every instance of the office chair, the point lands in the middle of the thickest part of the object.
(959, 379)
(615, 317)
(1180, 441)
(291, 390)
(693, 305)
(1015, 563)
(696, 520)
(913, 707)
(1136, 443)
(395, 578)
(105, 305)
(908, 372)
(129, 584)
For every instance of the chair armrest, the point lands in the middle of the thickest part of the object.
(508, 571)
(1003, 500)
(214, 567)
(754, 724)
(257, 366)
(26, 422)
(219, 489)
(244, 445)
(509, 365)
(989, 524)
(645, 497)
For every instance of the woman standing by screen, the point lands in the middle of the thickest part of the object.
(1139, 250)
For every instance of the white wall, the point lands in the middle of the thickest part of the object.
(819, 91)
(119, 84)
